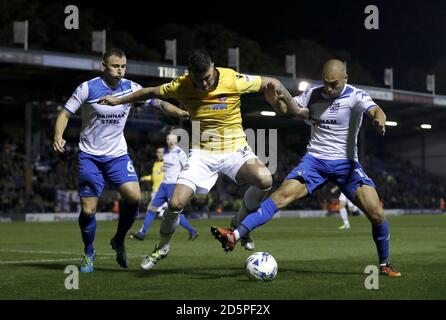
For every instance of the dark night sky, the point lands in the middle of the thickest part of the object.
(411, 34)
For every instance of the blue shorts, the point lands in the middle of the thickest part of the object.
(347, 174)
(94, 170)
(163, 194)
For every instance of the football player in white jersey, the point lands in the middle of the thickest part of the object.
(335, 113)
(174, 159)
(103, 151)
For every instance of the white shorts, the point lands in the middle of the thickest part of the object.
(343, 198)
(202, 167)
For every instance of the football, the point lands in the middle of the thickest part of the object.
(261, 266)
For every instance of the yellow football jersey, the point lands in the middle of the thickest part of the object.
(216, 112)
(156, 177)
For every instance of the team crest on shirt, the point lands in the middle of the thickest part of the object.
(248, 78)
(363, 94)
(334, 108)
(222, 99)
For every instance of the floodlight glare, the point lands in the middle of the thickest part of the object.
(268, 113)
(303, 85)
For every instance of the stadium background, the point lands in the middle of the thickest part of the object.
(407, 164)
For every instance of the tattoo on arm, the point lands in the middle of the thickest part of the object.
(291, 103)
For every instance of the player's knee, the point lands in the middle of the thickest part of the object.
(376, 215)
(281, 198)
(153, 209)
(265, 182)
(176, 205)
(88, 211)
(133, 198)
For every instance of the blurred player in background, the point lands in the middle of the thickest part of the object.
(173, 159)
(335, 112)
(103, 151)
(212, 96)
(346, 207)
(344, 204)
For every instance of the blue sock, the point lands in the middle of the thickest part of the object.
(185, 224)
(265, 213)
(87, 224)
(381, 236)
(150, 216)
(128, 214)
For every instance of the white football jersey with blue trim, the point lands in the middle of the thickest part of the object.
(173, 161)
(335, 122)
(102, 132)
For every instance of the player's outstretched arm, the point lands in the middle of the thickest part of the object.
(140, 95)
(274, 100)
(169, 109)
(280, 98)
(59, 129)
(379, 119)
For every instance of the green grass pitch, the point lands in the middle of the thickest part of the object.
(316, 261)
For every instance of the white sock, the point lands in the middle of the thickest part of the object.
(344, 216)
(168, 226)
(253, 197)
(236, 235)
(251, 201)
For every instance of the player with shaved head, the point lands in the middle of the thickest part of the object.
(335, 112)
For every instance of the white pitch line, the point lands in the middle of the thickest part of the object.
(50, 252)
(46, 260)
(37, 261)
(107, 256)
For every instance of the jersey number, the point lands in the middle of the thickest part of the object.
(130, 167)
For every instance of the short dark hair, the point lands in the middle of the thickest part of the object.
(113, 52)
(199, 61)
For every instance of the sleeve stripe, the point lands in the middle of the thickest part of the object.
(369, 107)
(65, 107)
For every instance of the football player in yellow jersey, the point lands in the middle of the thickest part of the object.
(157, 172)
(212, 97)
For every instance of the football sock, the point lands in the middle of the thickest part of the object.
(185, 224)
(253, 197)
(265, 213)
(127, 216)
(344, 216)
(251, 201)
(87, 224)
(170, 222)
(150, 216)
(381, 236)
